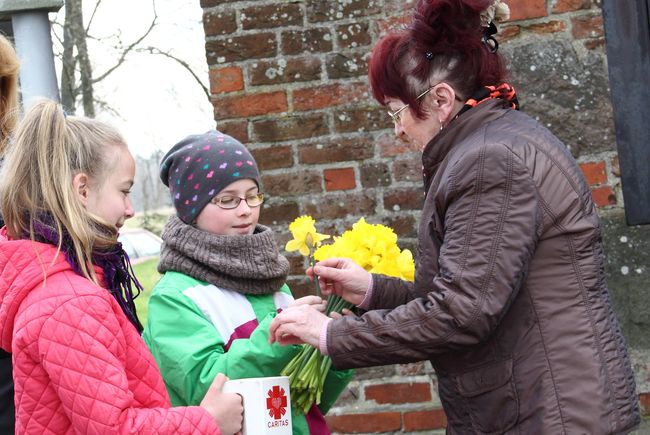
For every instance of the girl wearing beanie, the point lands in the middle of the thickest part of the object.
(224, 279)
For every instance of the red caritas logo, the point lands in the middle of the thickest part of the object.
(276, 403)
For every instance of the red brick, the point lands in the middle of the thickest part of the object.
(595, 172)
(297, 264)
(353, 35)
(275, 213)
(391, 146)
(409, 169)
(336, 150)
(603, 196)
(290, 127)
(644, 401)
(509, 32)
(563, 6)
(376, 422)
(339, 179)
(241, 106)
(616, 167)
(301, 286)
(228, 79)
(364, 119)
(425, 420)
(292, 184)
(332, 95)
(592, 44)
(526, 9)
(587, 27)
(347, 65)
(273, 157)
(319, 10)
(547, 27)
(316, 40)
(219, 23)
(211, 3)
(374, 174)
(284, 71)
(241, 48)
(272, 15)
(341, 205)
(399, 393)
(404, 226)
(393, 23)
(403, 199)
(237, 129)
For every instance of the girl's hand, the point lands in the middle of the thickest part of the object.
(226, 408)
(313, 301)
(342, 277)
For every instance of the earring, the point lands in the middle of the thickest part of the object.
(441, 126)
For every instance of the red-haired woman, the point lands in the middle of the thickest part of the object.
(509, 302)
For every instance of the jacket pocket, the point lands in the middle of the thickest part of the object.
(491, 397)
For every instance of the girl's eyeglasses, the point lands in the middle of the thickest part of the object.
(229, 202)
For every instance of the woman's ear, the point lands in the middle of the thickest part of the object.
(444, 98)
(80, 187)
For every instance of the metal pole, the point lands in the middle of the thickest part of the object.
(34, 48)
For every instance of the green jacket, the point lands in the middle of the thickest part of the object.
(196, 330)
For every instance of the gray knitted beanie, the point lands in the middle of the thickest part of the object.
(197, 168)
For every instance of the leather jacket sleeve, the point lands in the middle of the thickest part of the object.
(492, 221)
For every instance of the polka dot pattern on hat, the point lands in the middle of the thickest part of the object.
(200, 166)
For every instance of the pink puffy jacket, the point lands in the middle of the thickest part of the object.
(79, 365)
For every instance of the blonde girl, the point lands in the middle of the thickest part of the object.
(67, 290)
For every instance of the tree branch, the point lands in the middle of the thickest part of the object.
(181, 62)
(133, 45)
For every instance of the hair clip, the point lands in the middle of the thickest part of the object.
(428, 55)
(488, 37)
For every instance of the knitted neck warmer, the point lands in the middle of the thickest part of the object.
(249, 264)
(119, 278)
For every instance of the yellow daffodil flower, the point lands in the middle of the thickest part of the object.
(305, 237)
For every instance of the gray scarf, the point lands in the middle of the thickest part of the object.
(249, 264)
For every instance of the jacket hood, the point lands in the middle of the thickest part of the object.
(23, 266)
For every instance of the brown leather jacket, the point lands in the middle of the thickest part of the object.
(509, 302)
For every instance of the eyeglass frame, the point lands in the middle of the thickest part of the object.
(396, 114)
(238, 199)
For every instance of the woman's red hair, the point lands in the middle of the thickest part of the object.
(451, 31)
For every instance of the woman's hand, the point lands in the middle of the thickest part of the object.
(226, 408)
(296, 325)
(342, 277)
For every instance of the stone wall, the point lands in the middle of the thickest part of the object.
(289, 79)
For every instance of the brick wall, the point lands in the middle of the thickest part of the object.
(289, 79)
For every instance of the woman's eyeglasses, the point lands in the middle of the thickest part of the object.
(229, 202)
(397, 115)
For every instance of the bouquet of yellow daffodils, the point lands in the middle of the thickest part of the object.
(373, 247)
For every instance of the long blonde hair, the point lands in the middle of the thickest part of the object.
(9, 67)
(48, 150)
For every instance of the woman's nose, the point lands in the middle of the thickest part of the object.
(399, 131)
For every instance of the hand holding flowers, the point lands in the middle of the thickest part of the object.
(344, 273)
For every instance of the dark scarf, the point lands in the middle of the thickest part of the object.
(485, 93)
(247, 264)
(114, 263)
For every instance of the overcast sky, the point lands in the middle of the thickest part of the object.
(158, 101)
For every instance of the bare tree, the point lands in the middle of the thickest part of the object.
(77, 78)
